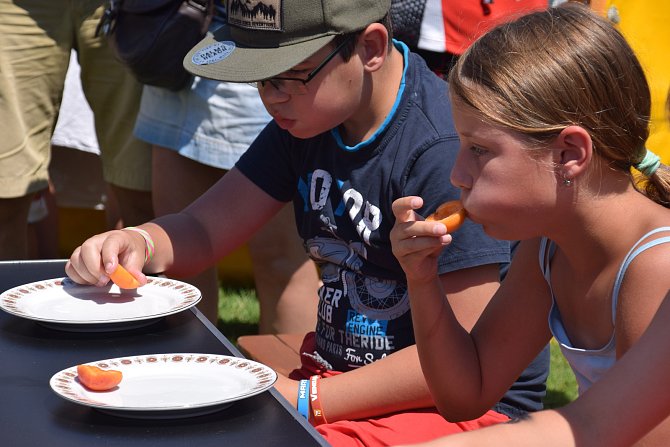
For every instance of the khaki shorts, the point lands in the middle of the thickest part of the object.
(35, 43)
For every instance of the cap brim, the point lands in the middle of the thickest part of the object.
(219, 57)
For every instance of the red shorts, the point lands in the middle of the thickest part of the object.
(410, 426)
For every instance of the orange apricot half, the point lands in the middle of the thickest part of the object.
(124, 279)
(98, 379)
(451, 214)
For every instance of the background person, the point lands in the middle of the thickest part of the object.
(439, 31)
(35, 42)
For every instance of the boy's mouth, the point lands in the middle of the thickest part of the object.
(284, 123)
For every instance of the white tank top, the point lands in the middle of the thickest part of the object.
(589, 365)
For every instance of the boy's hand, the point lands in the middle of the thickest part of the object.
(94, 260)
(416, 243)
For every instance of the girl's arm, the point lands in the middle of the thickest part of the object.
(468, 372)
(185, 243)
(630, 401)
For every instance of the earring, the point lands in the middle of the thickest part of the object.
(567, 182)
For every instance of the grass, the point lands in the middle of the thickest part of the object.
(561, 384)
(239, 313)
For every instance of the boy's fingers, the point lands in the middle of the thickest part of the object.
(72, 269)
(118, 249)
(110, 254)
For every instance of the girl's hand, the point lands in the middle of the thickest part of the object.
(94, 260)
(416, 243)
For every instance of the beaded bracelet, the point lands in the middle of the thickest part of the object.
(149, 246)
(317, 411)
(303, 398)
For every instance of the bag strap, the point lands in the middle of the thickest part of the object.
(202, 5)
(106, 23)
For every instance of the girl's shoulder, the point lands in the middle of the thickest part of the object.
(650, 253)
(641, 285)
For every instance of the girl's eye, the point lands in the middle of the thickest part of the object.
(478, 151)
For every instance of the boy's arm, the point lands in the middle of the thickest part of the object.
(185, 243)
(396, 382)
(218, 222)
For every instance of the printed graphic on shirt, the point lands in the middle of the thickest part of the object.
(357, 311)
(256, 14)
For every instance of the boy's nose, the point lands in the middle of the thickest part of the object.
(271, 95)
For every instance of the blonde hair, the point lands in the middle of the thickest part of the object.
(563, 66)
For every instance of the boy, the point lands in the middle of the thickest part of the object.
(358, 122)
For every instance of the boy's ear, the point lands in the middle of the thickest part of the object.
(574, 151)
(374, 46)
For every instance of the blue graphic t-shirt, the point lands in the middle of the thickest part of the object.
(342, 198)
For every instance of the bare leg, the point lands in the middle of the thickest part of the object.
(135, 207)
(286, 279)
(14, 227)
(178, 181)
(43, 234)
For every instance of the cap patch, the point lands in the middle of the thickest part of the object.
(213, 53)
(263, 15)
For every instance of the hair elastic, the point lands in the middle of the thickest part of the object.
(649, 164)
(149, 246)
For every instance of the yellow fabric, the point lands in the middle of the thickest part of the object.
(645, 26)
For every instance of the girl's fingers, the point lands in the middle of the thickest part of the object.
(403, 208)
(418, 237)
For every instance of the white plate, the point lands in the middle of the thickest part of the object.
(65, 305)
(169, 385)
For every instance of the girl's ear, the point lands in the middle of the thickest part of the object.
(373, 44)
(574, 151)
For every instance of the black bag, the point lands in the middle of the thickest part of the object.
(152, 37)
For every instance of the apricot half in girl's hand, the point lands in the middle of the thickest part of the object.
(98, 379)
(451, 214)
(123, 278)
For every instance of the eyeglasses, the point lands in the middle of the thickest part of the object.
(298, 86)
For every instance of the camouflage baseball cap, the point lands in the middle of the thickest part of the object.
(264, 38)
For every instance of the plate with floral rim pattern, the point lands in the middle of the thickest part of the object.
(167, 386)
(62, 304)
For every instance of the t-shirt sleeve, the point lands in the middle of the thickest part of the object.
(269, 163)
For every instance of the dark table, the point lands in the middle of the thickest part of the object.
(31, 414)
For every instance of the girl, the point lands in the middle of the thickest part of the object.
(553, 111)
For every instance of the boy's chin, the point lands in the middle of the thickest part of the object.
(302, 133)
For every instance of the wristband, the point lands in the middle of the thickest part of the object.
(303, 398)
(317, 411)
(149, 246)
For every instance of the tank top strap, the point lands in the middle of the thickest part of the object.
(635, 250)
(546, 252)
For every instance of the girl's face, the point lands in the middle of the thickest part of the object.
(502, 187)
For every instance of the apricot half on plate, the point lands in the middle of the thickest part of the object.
(124, 279)
(98, 379)
(451, 214)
